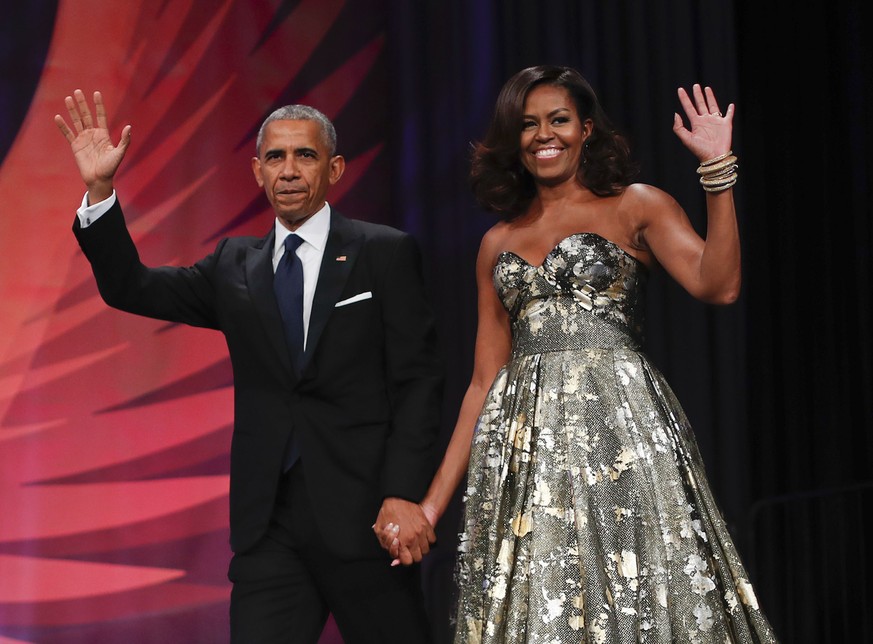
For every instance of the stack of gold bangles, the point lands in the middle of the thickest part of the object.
(719, 173)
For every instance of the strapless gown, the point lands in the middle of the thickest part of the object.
(588, 516)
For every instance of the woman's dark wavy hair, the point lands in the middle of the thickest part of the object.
(501, 183)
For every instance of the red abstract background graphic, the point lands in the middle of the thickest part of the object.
(115, 430)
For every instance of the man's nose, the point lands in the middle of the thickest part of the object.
(289, 169)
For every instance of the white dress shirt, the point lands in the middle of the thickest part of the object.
(314, 233)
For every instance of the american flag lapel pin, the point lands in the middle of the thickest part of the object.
(341, 258)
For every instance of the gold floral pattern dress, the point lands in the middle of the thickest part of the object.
(588, 517)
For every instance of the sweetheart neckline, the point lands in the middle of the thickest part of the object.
(558, 245)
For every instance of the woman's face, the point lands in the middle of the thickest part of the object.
(552, 135)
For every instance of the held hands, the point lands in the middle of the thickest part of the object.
(410, 544)
(710, 133)
(96, 157)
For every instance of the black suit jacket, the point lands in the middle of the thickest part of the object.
(365, 408)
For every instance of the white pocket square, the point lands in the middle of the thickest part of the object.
(355, 298)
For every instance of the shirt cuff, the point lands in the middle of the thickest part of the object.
(88, 214)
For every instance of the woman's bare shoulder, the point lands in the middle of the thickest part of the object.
(642, 204)
(643, 194)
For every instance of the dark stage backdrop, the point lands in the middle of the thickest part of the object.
(114, 431)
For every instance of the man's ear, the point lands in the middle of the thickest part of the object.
(256, 169)
(337, 167)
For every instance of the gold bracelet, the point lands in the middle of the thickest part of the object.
(717, 159)
(710, 178)
(717, 165)
(720, 178)
(718, 182)
(720, 188)
(719, 173)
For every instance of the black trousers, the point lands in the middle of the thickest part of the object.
(284, 587)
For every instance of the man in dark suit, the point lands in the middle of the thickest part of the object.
(337, 382)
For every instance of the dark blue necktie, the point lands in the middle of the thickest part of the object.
(288, 285)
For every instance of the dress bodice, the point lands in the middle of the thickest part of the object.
(587, 293)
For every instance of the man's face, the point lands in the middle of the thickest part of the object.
(295, 169)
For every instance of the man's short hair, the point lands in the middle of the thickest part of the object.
(300, 113)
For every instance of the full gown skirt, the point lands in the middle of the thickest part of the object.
(588, 516)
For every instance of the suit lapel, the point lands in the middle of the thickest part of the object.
(259, 277)
(340, 254)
